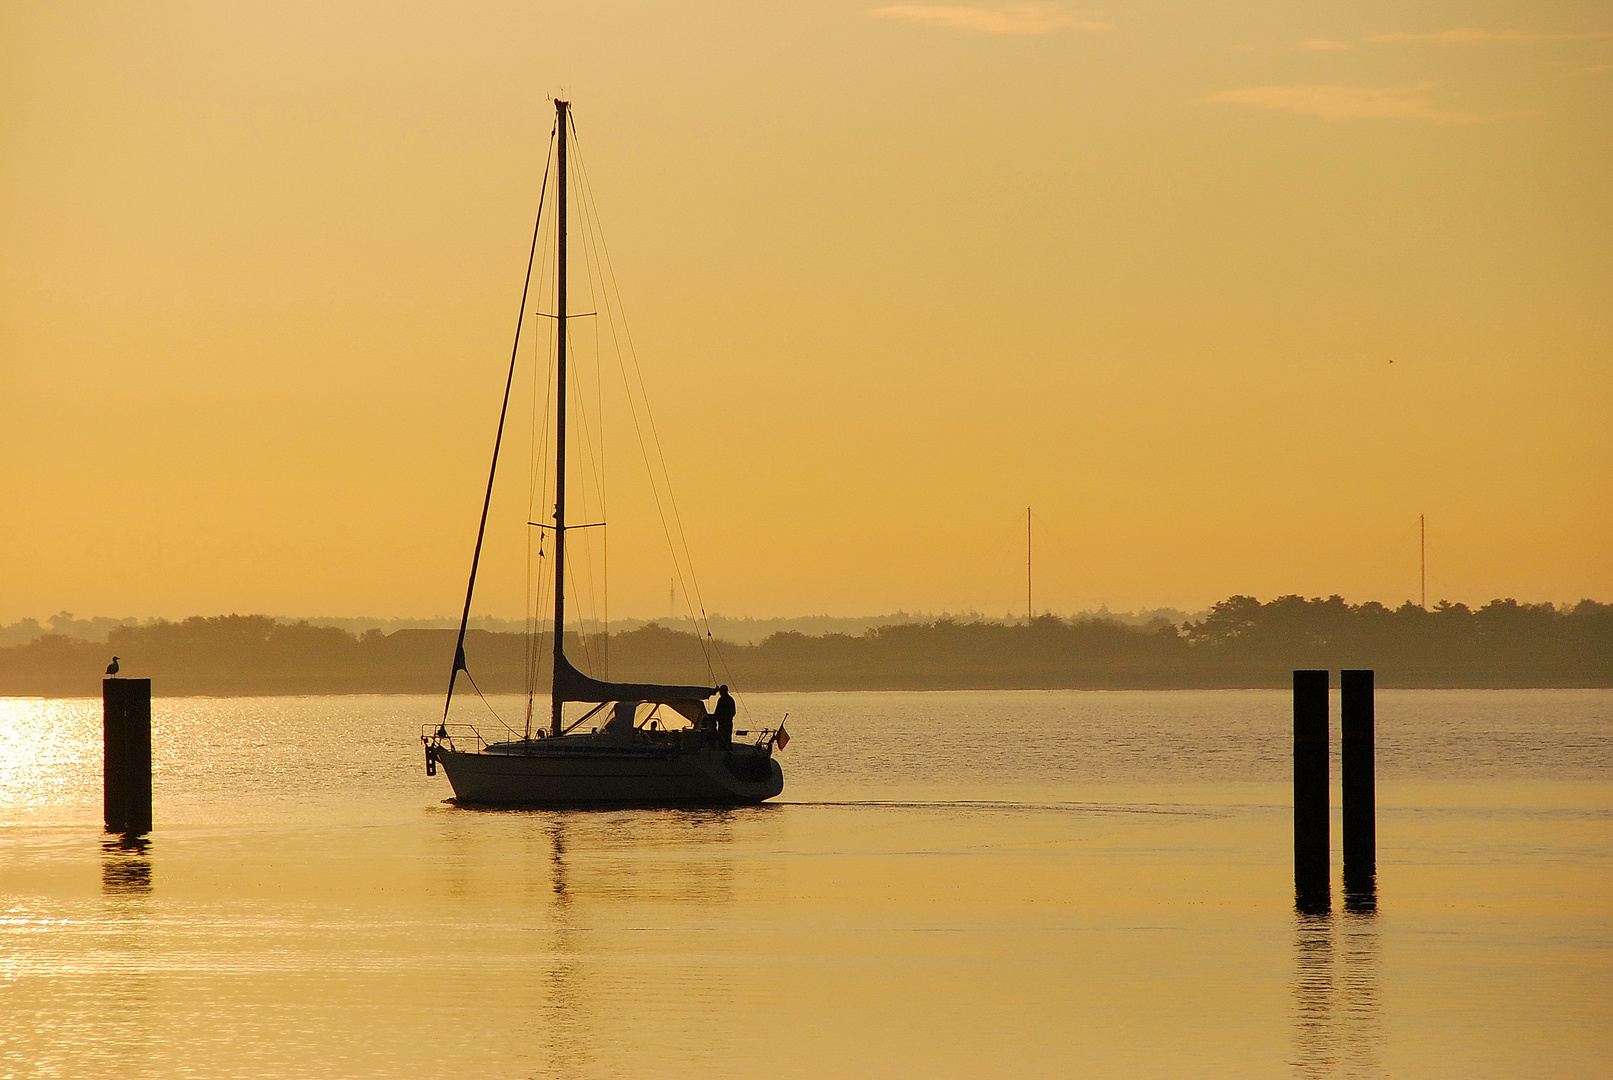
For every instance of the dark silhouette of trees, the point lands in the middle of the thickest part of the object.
(1504, 643)
(1242, 642)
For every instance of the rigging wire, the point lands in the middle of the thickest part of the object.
(592, 605)
(611, 285)
(591, 238)
(501, 723)
(587, 550)
(537, 489)
(609, 267)
(600, 304)
(498, 439)
(537, 478)
(603, 473)
(582, 632)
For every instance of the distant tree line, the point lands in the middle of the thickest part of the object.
(1241, 642)
(744, 631)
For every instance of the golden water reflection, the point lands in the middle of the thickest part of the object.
(50, 756)
(622, 915)
(324, 913)
(1337, 1028)
(566, 1035)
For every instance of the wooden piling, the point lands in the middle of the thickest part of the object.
(126, 769)
(1312, 894)
(1360, 833)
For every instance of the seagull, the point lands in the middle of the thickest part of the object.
(112, 668)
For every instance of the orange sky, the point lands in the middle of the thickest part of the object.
(1230, 296)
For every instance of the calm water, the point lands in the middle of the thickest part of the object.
(1038, 884)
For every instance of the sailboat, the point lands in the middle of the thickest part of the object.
(658, 744)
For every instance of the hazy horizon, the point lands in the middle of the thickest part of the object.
(1176, 613)
(1008, 612)
(744, 629)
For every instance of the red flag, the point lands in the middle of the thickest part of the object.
(782, 739)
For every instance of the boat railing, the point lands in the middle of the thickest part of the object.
(451, 735)
(466, 738)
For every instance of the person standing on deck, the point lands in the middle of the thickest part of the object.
(619, 730)
(724, 715)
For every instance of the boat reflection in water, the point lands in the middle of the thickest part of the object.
(566, 1032)
(657, 746)
(597, 909)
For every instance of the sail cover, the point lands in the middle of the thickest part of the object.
(572, 685)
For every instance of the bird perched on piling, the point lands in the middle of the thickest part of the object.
(112, 668)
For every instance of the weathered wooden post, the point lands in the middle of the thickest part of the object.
(1360, 833)
(1312, 895)
(126, 769)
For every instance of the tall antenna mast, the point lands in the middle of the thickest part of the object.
(1422, 544)
(1028, 614)
(560, 109)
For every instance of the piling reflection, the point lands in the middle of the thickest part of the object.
(126, 943)
(126, 866)
(1337, 1030)
(1358, 999)
(1313, 995)
(1360, 892)
(1313, 903)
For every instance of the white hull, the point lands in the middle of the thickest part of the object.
(599, 775)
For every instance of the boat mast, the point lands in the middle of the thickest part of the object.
(560, 108)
